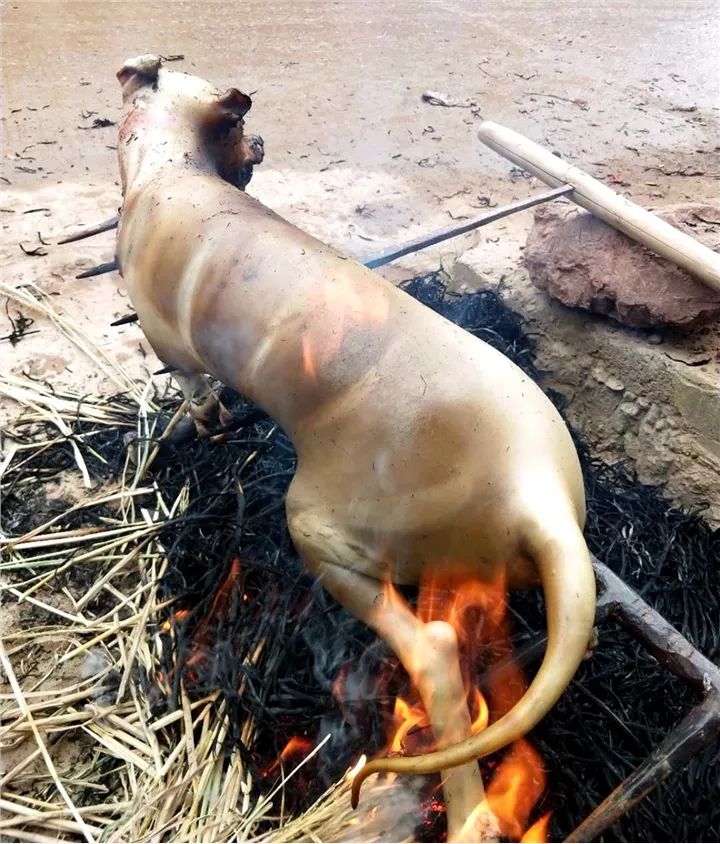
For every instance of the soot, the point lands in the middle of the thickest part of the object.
(234, 571)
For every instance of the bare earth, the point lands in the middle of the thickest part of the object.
(628, 91)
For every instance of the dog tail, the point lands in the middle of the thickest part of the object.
(566, 574)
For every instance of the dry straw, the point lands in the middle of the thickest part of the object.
(84, 757)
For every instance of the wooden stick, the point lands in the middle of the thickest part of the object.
(699, 728)
(616, 210)
(659, 637)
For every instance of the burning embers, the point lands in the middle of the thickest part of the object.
(207, 631)
(515, 782)
(509, 807)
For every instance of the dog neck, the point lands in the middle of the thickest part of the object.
(150, 146)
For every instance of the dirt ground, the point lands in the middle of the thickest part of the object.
(628, 91)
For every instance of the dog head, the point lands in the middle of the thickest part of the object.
(171, 117)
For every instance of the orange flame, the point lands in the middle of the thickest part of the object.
(483, 713)
(478, 614)
(406, 717)
(218, 609)
(538, 832)
(175, 617)
(515, 788)
(205, 633)
(294, 751)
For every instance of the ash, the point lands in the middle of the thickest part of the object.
(619, 707)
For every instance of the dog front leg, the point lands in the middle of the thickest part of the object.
(429, 652)
(206, 409)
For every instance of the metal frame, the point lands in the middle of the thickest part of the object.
(616, 602)
(699, 728)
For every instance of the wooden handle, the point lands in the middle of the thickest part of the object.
(619, 212)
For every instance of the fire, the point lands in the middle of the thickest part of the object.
(483, 713)
(478, 614)
(294, 751)
(515, 788)
(406, 717)
(538, 832)
(175, 618)
(205, 633)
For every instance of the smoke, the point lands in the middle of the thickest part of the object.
(98, 664)
(389, 811)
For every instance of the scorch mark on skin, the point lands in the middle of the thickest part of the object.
(403, 473)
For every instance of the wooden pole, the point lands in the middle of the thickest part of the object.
(634, 221)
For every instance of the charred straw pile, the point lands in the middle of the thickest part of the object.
(238, 652)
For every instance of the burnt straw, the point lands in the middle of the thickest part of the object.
(620, 705)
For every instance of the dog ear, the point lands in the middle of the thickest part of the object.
(139, 71)
(231, 107)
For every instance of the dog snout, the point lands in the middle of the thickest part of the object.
(256, 149)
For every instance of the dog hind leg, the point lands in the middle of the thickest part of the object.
(429, 652)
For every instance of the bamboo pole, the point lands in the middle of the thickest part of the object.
(636, 222)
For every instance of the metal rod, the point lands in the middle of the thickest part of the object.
(100, 269)
(668, 646)
(389, 254)
(699, 728)
(125, 320)
(445, 234)
(112, 223)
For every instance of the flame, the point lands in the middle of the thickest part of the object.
(297, 746)
(515, 788)
(538, 832)
(478, 613)
(482, 718)
(174, 619)
(406, 717)
(294, 751)
(206, 632)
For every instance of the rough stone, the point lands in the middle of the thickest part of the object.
(585, 263)
(651, 401)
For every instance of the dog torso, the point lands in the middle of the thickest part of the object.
(415, 440)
